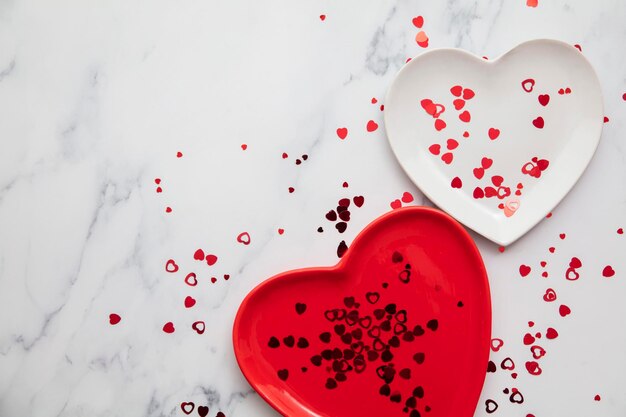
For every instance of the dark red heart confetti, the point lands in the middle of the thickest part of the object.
(524, 270)
(189, 301)
(191, 279)
(187, 407)
(171, 266)
(211, 260)
(114, 318)
(538, 122)
(550, 295)
(551, 333)
(198, 326)
(608, 271)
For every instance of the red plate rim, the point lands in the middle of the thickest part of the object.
(341, 265)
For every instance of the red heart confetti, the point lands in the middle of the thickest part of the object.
(468, 93)
(372, 126)
(168, 327)
(422, 39)
(528, 85)
(458, 103)
(575, 262)
(538, 122)
(507, 364)
(171, 266)
(550, 295)
(608, 271)
(114, 319)
(537, 351)
(198, 255)
(191, 279)
(189, 301)
(551, 333)
(524, 270)
(211, 260)
(571, 274)
(494, 133)
(496, 344)
(434, 149)
(244, 238)
(533, 368)
(529, 339)
(418, 22)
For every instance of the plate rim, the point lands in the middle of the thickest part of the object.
(491, 234)
(338, 267)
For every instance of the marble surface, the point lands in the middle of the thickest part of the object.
(96, 101)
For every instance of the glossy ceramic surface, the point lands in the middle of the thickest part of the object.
(497, 144)
(401, 323)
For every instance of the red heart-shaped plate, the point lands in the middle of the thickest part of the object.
(399, 327)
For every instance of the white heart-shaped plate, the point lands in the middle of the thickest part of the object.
(497, 144)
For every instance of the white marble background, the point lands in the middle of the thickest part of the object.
(96, 98)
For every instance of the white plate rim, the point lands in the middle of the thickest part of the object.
(451, 207)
